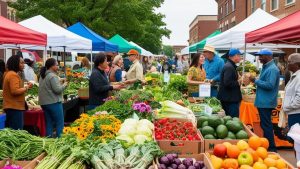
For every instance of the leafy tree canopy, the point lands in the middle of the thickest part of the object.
(167, 50)
(135, 20)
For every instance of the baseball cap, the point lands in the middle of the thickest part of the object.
(233, 52)
(294, 58)
(265, 51)
(132, 52)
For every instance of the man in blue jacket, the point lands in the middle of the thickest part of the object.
(266, 94)
(213, 66)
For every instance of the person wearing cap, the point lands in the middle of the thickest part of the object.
(135, 71)
(229, 92)
(29, 74)
(213, 66)
(291, 103)
(267, 86)
(115, 74)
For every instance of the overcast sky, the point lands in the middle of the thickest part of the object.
(180, 13)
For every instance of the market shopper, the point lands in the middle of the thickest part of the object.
(2, 71)
(115, 74)
(50, 97)
(178, 63)
(267, 86)
(99, 85)
(146, 65)
(213, 66)
(14, 93)
(291, 103)
(229, 92)
(86, 66)
(135, 71)
(29, 74)
(196, 75)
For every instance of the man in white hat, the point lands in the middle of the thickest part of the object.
(213, 66)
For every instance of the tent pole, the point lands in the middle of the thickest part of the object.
(244, 60)
(64, 57)
(91, 60)
(4, 54)
(50, 52)
(45, 55)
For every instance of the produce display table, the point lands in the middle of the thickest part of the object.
(250, 116)
(35, 118)
(71, 109)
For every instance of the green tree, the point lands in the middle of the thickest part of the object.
(167, 50)
(134, 20)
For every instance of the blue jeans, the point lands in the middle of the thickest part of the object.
(231, 108)
(213, 92)
(267, 126)
(54, 117)
(293, 119)
(14, 119)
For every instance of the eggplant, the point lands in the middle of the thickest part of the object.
(181, 166)
(177, 161)
(162, 166)
(164, 160)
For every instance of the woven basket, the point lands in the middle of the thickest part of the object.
(83, 93)
(249, 98)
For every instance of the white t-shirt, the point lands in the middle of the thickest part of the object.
(29, 73)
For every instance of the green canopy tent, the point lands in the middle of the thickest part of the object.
(124, 45)
(200, 45)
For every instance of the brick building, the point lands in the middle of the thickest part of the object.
(177, 48)
(232, 12)
(201, 27)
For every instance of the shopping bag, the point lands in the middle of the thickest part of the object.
(282, 119)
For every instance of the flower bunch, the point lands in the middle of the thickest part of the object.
(12, 167)
(101, 126)
(141, 107)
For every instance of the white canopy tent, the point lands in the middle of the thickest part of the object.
(144, 52)
(58, 38)
(235, 37)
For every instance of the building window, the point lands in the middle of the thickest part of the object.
(263, 4)
(233, 5)
(288, 2)
(221, 13)
(226, 10)
(274, 5)
(252, 6)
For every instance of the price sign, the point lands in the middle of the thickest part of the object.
(204, 90)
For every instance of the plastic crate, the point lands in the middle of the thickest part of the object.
(2, 120)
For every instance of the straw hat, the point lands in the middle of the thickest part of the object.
(116, 59)
(209, 48)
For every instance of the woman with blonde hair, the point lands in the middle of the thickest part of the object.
(86, 66)
(115, 74)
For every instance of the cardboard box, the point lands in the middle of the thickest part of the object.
(181, 146)
(24, 164)
(209, 144)
(196, 157)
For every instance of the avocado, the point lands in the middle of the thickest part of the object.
(214, 121)
(234, 126)
(222, 131)
(200, 120)
(241, 135)
(204, 124)
(209, 136)
(231, 135)
(207, 130)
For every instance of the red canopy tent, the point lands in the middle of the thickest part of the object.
(283, 31)
(13, 33)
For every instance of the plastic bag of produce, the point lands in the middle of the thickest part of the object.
(294, 133)
(282, 119)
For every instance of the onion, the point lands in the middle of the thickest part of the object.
(181, 166)
(164, 160)
(177, 161)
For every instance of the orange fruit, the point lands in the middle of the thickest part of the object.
(253, 153)
(259, 165)
(246, 167)
(262, 152)
(273, 156)
(227, 144)
(272, 168)
(242, 145)
(230, 163)
(233, 151)
(264, 143)
(270, 162)
(254, 142)
(281, 164)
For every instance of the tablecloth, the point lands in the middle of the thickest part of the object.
(36, 118)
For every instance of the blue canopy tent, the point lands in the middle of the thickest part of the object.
(99, 43)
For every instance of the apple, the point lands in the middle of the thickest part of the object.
(220, 150)
(245, 158)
